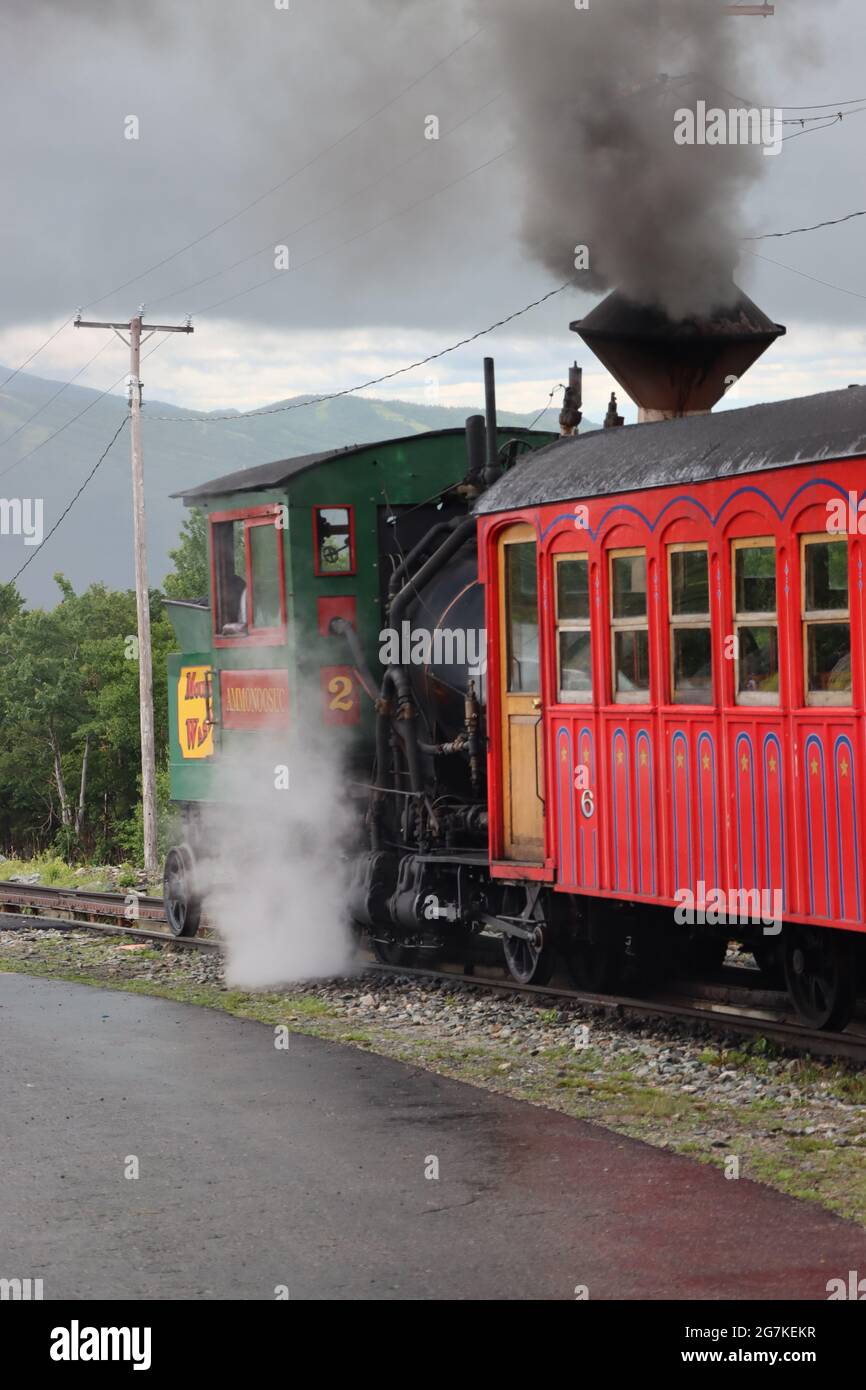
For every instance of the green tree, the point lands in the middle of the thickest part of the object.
(69, 719)
(191, 577)
(11, 604)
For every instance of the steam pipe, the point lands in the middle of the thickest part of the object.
(493, 469)
(461, 533)
(476, 445)
(341, 627)
(422, 548)
(406, 718)
(383, 774)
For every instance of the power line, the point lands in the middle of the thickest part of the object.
(834, 222)
(92, 472)
(218, 226)
(854, 101)
(559, 387)
(61, 428)
(365, 385)
(794, 271)
(28, 360)
(278, 275)
(824, 116)
(206, 278)
(46, 404)
(71, 504)
(303, 226)
(260, 198)
(283, 274)
(836, 120)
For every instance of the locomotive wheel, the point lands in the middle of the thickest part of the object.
(393, 953)
(704, 951)
(182, 902)
(820, 975)
(531, 962)
(593, 947)
(594, 966)
(769, 964)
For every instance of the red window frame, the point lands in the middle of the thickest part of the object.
(254, 636)
(334, 574)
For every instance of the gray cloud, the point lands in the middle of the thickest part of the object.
(232, 98)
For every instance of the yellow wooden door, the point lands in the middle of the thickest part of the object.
(521, 733)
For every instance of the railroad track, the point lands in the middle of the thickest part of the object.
(109, 913)
(753, 1014)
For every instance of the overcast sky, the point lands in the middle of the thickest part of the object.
(398, 245)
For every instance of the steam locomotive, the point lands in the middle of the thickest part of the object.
(632, 728)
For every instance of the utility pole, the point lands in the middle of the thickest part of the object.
(135, 328)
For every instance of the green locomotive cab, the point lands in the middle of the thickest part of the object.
(285, 646)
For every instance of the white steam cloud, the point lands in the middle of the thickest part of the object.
(278, 890)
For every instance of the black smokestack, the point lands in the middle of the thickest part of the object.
(494, 468)
(476, 450)
(677, 367)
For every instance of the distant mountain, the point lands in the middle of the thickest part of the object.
(95, 540)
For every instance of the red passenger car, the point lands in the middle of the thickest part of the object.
(677, 684)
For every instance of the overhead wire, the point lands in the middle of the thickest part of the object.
(68, 508)
(308, 164)
(233, 217)
(59, 392)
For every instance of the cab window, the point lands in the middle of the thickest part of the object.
(248, 586)
(334, 539)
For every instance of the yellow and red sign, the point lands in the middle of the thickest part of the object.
(254, 699)
(194, 711)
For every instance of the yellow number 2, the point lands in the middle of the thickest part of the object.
(341, 689)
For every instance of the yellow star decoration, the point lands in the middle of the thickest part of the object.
(843, 767)
(643, 758)
(813, 767)
(586, 757)
(744, 762)
(679, 759)
(706, 761)
(771, 763)
(619, 755)
(563, 756)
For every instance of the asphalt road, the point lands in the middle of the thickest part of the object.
(306, 1168)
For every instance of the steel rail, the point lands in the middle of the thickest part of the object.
(748, 1019)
